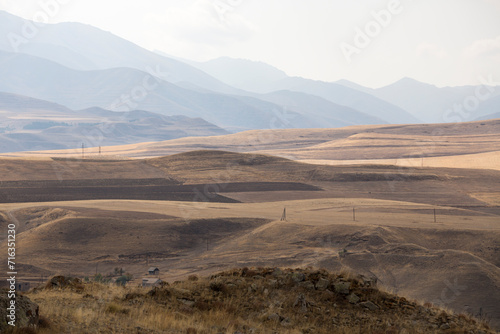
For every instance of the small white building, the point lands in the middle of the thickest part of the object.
(151, 282)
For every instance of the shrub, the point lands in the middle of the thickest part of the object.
(115, 308)
(218, 287)
(43, 322)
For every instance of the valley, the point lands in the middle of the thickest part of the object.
(210, 167)
(427, 233)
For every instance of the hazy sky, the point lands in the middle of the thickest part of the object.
(444, 42)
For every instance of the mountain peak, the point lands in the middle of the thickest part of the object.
(406, 81)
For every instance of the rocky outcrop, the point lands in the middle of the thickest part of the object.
(26, 312)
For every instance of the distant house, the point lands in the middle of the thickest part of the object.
(153, 271)
(150, 282)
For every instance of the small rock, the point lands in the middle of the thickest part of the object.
(183, 292)
(352, 298)
(277, 272)
(322, 284)
(298, 277)
(369, 305)
(307, 285)
(186, 302)
(286, 322)
(343, 288)
(273, 283)
(445, 326)
(274, 317)
(301, 302)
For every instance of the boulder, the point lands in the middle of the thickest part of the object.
(301, 302)
(307, 285)
(343, 288)
(62, 282)
(27, 312)
(369, 305)
(322, 284)
(352, 298)
(298, 277)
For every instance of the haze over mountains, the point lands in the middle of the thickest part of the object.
(79, 67)
(31, 124)
(405, 101)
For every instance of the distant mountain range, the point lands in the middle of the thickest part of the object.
(86, 48)
(442, 105)
(32, 124)
(405, 101)
(261, 78)
(64, 67)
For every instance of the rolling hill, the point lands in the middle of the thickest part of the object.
(392, 237)
(456, 145)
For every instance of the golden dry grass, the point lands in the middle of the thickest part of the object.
(489, 160)
(262, 300)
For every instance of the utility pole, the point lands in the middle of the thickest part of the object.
(83, 150)
(353, 214)
(435, 220)
(283, 216)
(99, 150)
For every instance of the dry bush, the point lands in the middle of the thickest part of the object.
(115, 308)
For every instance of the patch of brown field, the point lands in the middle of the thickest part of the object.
(76, 169)
(394, 146)
(205, 174)
(490, 198)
